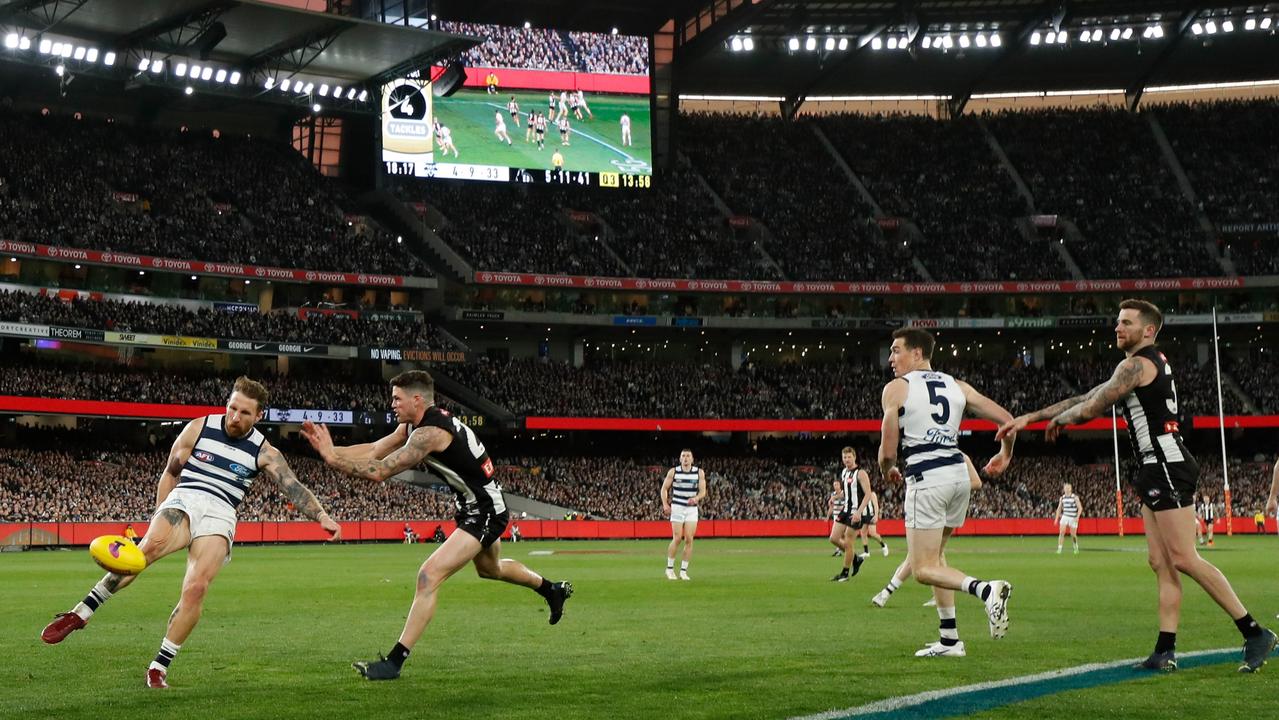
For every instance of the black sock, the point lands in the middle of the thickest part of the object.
(881, 543)
(1167, 642)
(865, 548)
(398, 655)
(546, 588)
(1248, 626)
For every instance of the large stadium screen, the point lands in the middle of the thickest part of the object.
(537, 106)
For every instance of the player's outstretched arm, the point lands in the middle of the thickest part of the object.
(320, 439)
(183, 444)
(1127, 376)
(421, 443)
(890, 434)
(987, 409)
(272, 464)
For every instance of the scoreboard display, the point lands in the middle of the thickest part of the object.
(537, 106)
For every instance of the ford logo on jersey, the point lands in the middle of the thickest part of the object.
(240, 470)
(203, 456)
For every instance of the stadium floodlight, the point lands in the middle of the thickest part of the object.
(195, 72)
(46, 47)
(206, 72)
(892, 43)
(810, 44)
(79, 52)
(964, 41)
(11, 40)
(1085, 36)
(91, 55)
(109, 58)
(300, 88)
(1249, 24)
(980, 40)
(350, 94)
(157, 67)
(735, 44)
(749, 44)
(67, 49)
(995, 40)
(220, 75)
(337, 91)
(927, 43)
(1265, 23)
(315, 107)
(60, 70)
(24, 43)
(235, 77)
(876, 44)
(1062, 37)
(843, 43)
(189, 90)
(830, 44)
(143, 64)
(180, 70)
(1096, 35)
(364, 95)
(1034, 38)
(1210, 27)
(792, 44)
(284, 85)
(1127, 33)
(527, 24)
(324, 90)
(947, 42)
(613, 32)
(269, 83)
(1227, 26)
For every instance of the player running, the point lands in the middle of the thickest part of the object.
(211, 466)
(513, 107)
(854, 485)
(1205, 512)
(1068, 511)
(564, 129)
(500, 130)
(434, 441)
(922, 410)
(532, 123)
(682, 490)
(870, 526)
(446, 141)
(1143, 386)
(626, 129)
(581, 104)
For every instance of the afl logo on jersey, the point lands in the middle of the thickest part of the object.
(203, 456)
(240, 470)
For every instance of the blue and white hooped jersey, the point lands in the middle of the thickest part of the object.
(221, 466)
(929, 421)
(685, 485)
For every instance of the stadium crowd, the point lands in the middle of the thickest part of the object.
(180, 194)
(279, 326)
(546, 49)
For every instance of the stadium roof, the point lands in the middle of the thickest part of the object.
(890, 46)
(258, 41)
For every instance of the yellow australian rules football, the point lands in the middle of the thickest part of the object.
(117, 554)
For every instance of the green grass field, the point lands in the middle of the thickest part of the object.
(761, 632)
(595, 144)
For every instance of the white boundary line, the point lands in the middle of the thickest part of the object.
(907, 701)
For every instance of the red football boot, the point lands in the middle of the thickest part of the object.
(63, 625)
(155, 678)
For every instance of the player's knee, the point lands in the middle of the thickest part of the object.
(488, 572)
(193, 592)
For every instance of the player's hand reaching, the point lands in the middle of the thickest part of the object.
(997, 465)
(332, 528)
(319, 437)
(1012, 427)
(1055, 426)
(666, 508)
(894, 475)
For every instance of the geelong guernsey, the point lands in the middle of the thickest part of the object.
(221, 466)
(684, 487)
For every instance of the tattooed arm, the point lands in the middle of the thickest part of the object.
(1083, 402)
(178, 456)
(272, 464)
(421, 443)
(1128, 376)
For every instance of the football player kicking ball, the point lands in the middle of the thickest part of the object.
(430, 438)
(211, 466)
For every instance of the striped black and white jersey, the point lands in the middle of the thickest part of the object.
(848, 481)
(220, 465)
(1152, 414)
(1070, 506)
(464, 464)
(684, 486)
(1208, 512)
(930, 420)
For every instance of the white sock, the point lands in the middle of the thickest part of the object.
(98, 595)
(670, 563)
(946, 627)
(683, 566)
(893, 585)
(168, 649)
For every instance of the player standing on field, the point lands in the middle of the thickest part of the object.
(626, 129)
(1143, 387)
(922, 410)
(433, 440)
(854, 486)
(1207, 512)
(870, 529)
(1068, 512)
(682, 490)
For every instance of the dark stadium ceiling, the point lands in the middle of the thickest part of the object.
(706, 63)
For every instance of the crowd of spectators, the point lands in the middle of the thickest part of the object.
(546, 49)
(1102, 168)
(1230, 153)
(779, 173)
(100, 185)
(1257, 372)
(279, 326)
(958, 194)
(92, 485)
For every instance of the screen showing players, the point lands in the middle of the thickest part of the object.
(537, 106)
